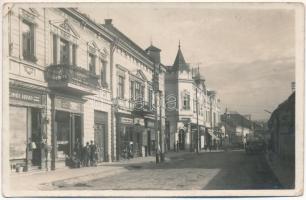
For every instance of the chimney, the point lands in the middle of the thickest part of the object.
(293, 86)
(154, 53)
(108, 21)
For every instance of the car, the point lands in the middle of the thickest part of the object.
(255, 144)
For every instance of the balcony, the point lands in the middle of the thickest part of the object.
(142, 107)
(72, 79)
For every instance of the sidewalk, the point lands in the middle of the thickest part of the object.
(46, 180)
(43, 179)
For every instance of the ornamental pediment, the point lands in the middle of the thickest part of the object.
(64, 27)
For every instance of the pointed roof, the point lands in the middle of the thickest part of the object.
(180, 63)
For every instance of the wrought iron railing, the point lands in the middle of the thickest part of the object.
(142, 106)
(72, 74)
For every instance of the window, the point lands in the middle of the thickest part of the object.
(150, 97)
(120, 86)
(28, 41)
(92, 63)
(74, 47)
(194, 106)
(186, 102)
(54, 49)
(103, 71)
(64, 52)
(64, 48)
(132, 89)
(137, 90)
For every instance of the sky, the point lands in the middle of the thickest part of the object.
(246, 54)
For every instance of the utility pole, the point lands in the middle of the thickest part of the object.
(156, 93)
(198, 128)
(161, 136)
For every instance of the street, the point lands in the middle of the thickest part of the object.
(185, 171)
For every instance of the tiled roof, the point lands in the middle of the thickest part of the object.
(180, 63)
(125, 39)
(236, 120)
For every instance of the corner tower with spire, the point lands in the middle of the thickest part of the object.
(179, 62)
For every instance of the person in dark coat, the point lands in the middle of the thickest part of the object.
(93, 153)
(86, 154)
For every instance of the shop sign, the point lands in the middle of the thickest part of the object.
(139, 121)
(125, 120)
(25, 96)
(67, 104)
(150, 124)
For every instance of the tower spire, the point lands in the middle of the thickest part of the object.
(179, 46)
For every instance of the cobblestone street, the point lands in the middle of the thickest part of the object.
(213, 170)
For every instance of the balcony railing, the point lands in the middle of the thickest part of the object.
(68, 76)
(140, 106)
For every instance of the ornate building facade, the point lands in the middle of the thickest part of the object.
(189, 105)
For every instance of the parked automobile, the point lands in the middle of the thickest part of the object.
(255, 144)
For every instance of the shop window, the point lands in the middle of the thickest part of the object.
(92, 63)
(28, 50)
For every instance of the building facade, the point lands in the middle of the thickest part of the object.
(237, 128)
(59, 86)
(134, 96)
(72, 81)
(189, 105)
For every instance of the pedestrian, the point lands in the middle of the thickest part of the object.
(93, 152)
(86, 152)
(177, 146)
(78, 149)
(174, 145)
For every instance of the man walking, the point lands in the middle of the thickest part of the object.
(93, 152)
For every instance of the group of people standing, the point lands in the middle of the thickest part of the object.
(84, 156)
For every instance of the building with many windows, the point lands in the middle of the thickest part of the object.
(134, 98)
(189, 105)
(71, 81)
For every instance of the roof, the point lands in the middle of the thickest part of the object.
(287, 105)
(152, 48)
(236, 119)
(180, 63)
(125, 39)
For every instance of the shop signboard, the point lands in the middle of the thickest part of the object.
(26, 96)
(125, 120)
(139, 121)
(150, 124)
(68, 105)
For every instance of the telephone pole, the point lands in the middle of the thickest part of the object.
(156, 95)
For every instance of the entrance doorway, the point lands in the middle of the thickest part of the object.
(181, 139)
(68, 129)
(100, 131)
(36, 140)
(100, 135)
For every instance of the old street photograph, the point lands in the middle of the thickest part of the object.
(107, 97)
